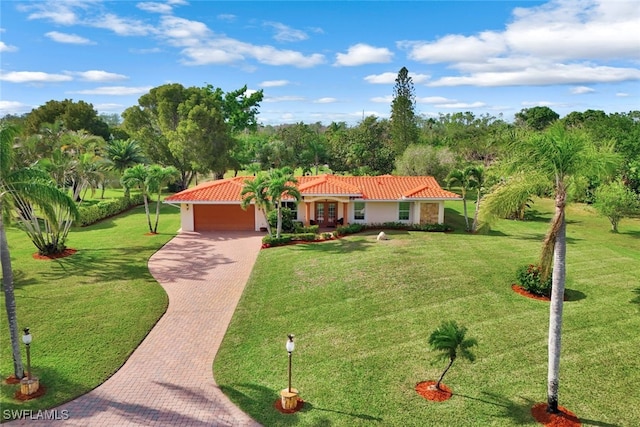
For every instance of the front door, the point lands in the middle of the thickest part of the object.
(326, 214)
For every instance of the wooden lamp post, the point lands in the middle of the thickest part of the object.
(289, 396)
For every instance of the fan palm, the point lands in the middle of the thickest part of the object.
(22, 190)
(449, 339)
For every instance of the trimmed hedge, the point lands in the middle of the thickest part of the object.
(356, 228)
(105, 209)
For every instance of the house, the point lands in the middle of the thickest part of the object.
(327, 200)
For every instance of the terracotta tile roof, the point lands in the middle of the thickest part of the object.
(386, 187)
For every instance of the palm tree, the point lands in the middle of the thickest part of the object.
(159, 177)
(255, 190)
(22, 190)
(477, 178)
(466, 178)
(138, 177)
(282, 184)
(450, 340)
(124, 154)
(556, 156)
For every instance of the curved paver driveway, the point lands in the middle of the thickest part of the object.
(168, 380)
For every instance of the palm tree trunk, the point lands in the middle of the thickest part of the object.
(279, 222)
(474, 226)
(10, 300)
(555, 311)
(146, 211)
(155, 227)
(445, 371)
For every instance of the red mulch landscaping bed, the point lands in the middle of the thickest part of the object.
(65, 253)
(522, 291)
(278, 406)
(428, 390)
(565, 418)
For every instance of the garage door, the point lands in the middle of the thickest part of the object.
(223, 217)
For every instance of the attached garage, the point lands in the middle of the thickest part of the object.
(219, 217)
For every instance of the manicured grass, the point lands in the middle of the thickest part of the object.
(362, 312)
(89, 311)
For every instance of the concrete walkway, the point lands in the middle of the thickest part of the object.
(168, 379)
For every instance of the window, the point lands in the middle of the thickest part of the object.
(293, 206)
(358, 211)
(403, 211)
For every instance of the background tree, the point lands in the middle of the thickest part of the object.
(75, 116)
(616, 201)
(22, 190)
(368, 148)
(557, 155)
(123, 154)
(404, 124)
(450, 340)
(536, 118)
(422, 159)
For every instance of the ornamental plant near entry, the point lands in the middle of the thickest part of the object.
(530, 278)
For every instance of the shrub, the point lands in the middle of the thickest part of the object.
(529, 277)
(299, 228)
(430, 227)
(105, 209)
(343, 230)
(288, 225)
(275, 241)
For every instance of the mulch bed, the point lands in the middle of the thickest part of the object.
(41, 391)
(565, 418)
(428, 390)
(278, 405)
(522, 291)
(65, 253)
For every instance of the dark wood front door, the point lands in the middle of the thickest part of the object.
(326, 214)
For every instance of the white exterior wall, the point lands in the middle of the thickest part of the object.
(186, 217)
(379, 212)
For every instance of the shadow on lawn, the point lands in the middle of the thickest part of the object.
(339, 246)
(310, 407)
(518, 412)
(636, 300)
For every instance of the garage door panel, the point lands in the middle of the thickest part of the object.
(223, 217)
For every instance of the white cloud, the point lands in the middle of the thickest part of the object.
(98, 76)
(122, 26)
(226, 17)
(462, 105)
(541, 104)
(361, 54)
(558, 42)
(552, 75)
(13, 107)
(325, 100)
(33, 77)
(109, 108)
(115, 90)
(382, 99)
(59, 37)
(183, 32)
(390, 78)
(226, 50)
(274, 83)
(622, 94)
(58, 12)
(155, 7)
(284, 33)
(146, 51)
(435, 100)
(579, 90)
(7, 48)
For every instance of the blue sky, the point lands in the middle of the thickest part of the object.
(326, 60)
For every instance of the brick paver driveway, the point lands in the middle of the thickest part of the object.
(168, 380)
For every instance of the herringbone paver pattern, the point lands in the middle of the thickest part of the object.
(168, 379)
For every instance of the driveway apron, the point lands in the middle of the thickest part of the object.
(168, 379)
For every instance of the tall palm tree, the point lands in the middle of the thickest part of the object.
(158, 177)
(282, 184)
(255, 190)
(138, 177)
(22, 190)
(466, 179)
(450, 340)
(558, 156)
(477, 182)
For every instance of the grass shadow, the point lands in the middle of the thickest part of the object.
(339, 246)
(574, 295)
(519, 412)
(258, 402)
(636, 300)
(310, 407)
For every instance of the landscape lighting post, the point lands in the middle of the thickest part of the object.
(290, 347)
(26, 339)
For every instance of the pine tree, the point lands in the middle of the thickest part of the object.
(404, 126)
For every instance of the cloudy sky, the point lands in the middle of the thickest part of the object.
(326, 60)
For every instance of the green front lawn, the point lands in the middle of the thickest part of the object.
(89, 311)
(362, 312)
